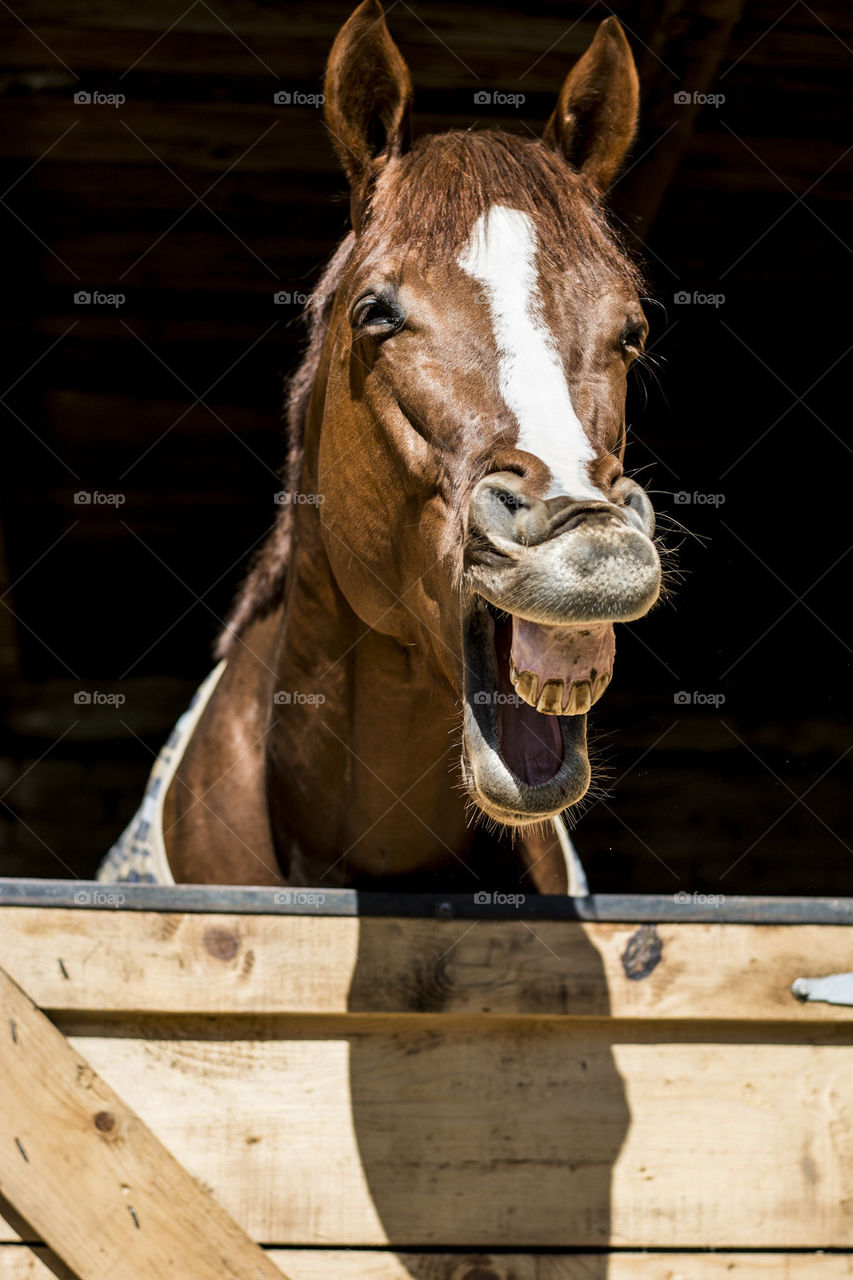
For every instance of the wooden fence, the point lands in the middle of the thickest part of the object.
(216, 1082)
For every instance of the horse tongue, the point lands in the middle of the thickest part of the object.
(561, 670)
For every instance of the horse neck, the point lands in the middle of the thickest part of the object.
(363, 751)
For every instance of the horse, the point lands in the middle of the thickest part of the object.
(404, 678)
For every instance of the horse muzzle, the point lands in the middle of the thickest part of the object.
(562, 561)
(546, 580)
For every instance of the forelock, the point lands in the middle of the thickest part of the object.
(427, 202)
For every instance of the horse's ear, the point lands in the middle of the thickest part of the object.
(368, 99)
(595, 117)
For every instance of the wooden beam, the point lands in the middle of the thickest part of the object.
(451, 1132)
(20, 1263)
(683, 44)
(84, 1171)
(152, 962)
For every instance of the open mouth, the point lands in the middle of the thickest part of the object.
(527, 689)
(537, 636)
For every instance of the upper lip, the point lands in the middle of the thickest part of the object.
(567, 520)
(564, 520)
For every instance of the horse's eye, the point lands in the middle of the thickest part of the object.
(372, 313)
(632, 338)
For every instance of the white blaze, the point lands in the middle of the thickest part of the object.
(501, 255)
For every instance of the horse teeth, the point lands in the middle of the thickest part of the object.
(525, 683)
(599, 685)
(580, 698)
(550, 701)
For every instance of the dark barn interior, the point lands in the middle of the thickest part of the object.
(199, 198)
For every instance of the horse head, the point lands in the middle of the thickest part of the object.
(470, 442)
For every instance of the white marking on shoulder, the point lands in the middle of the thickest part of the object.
(501, 255)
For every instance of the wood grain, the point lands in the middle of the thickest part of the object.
(149, 962)
(24, 1264)
(453, 1132)
(87, 1175)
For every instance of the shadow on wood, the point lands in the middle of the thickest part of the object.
(46, 1257)
(480, 1131)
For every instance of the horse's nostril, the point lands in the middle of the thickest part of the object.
(512, 501)
(502, 514)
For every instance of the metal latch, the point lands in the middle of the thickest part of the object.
(835, 988)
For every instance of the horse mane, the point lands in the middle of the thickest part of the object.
(428, 200)
(263, 585)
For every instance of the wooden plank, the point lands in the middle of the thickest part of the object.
(148, 962)
(515, 1134)
(686, 43)
(323, 1264)
(301, 40)
(510, 48)
(85, 1173)
(634, 1266)
(187, 136)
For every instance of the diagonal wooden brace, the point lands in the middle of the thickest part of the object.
(85, 1172)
